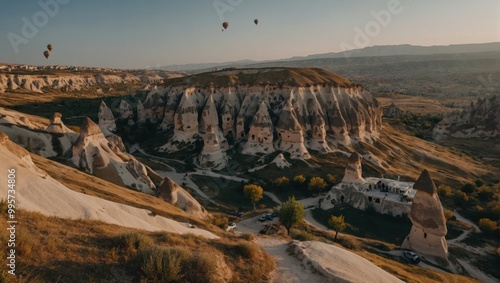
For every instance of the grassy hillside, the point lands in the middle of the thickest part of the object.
(51, 249)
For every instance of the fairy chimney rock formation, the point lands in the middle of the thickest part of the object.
(212, 155)
(186, 117)
(290, 134)
(56, 125)
(427, 235)
(171, 192)
(141, 113)
(353, 171)
(106, 118)
(260, 136)
(125, 110)
(96, 155)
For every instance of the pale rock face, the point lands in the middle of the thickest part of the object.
(281, 161)
(479, 121)
(209, 115)
(141, 113)
(427, 235)
(249, 106)
(125, 110)
(154, 105)
(210, 118)
(174, 96)
(260, 136)
(106, 118)
(353, 172)
(290, 133)
(172, 193)
(186, 117)
(35, 83)
(392, 111)
(229, 114)
(39, 192)
(96, 155)
(212, 155)
(56, 125)
(32, 136)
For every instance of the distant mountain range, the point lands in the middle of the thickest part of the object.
(372, 51)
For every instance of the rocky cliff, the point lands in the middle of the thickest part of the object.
(481, 120)
(39, 79)
(96, 155)
(292, 110)
(172, 193)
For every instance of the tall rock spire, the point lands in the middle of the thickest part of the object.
(427, 235)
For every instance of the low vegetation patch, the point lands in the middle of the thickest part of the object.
(61, 250)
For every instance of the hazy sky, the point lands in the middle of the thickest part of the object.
(148, 33)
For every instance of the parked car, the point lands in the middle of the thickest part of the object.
(271, 216)
(238, 213)
(412, 257)
(263, 218)
(231, 226)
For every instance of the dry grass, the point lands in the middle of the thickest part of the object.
(410, 155)
(271, 76)
(365, 248)
(52, 249)
(422, 105)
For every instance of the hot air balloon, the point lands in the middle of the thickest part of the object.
(50, 47)
(256, 21)
(225, 25)
(46, 53)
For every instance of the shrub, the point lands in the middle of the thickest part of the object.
(302, 235)
(485, 193)
(247, 236)
(448, 214)
(444, 191)
(282, 181)
(201, 268)
(159, 264)
(299, 179)
(460, 198)
(247, 250)
(350, 243)
(487, 225)
(331, 179)
(316, 184)
(468, 188)
(133, 241)
(478, 183)
(219, 220)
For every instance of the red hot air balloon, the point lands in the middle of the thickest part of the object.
(225, 25)
(50, 47)
(46, 53)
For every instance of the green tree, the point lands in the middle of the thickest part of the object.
(316, 184)
(337, 224)
(281, 181)
(291, 213)
(253, 193)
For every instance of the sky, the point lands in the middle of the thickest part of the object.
(150, 33)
